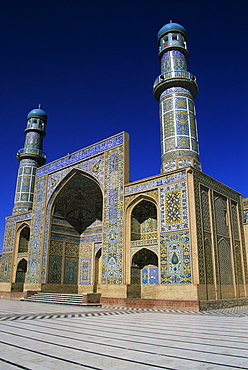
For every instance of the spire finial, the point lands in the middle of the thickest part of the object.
(39, 106)
(171, 21)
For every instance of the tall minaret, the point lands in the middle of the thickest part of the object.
(176, 89)
(30, 157)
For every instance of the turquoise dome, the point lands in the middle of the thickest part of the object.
(171, 27)
(37, 112)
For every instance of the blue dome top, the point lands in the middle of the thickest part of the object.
(37, 112)
(171, 27)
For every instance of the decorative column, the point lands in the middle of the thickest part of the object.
(176, 89)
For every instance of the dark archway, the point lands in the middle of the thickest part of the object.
(21, 271)
(77, 213)
(144, 221)
(144, 268)
(24, 240)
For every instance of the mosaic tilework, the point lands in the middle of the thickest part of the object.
(205, 209)
(56, 247)
(177, 125)
(169, 165)
(55, 269)
(85, 271)
(82, 238)
(172, 61)
(184, 162)
(16, 218)
(225, 264)
(238, 264)
(82, 154)
(138, 243)
(219, 188)
(9, 237)
(85, 249)
(173, 90)
(94, 166)
(174, 207)
(5, 267)
(135, 249)
(150, 275)
(25, 184)
(34, 262)
(147, 185)
(85, 263)
(208, 260)
(235, 221)
(175, 258)
(112, 272)
(221, 215)
(91, 239)
(71, 270)
(135, 275)
(129, 199)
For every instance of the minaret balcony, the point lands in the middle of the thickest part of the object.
(32, 153)
(169, 79)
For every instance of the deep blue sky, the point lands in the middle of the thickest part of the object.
(92, 64)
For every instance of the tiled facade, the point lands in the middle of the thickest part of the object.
(80, 225)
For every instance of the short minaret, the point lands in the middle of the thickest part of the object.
(176, 89)
(30, 157)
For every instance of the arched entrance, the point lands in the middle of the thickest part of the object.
(76, 216)
(21, 271)
(144, 221)
(24, 240)
(144, 269)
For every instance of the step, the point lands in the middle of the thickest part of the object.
(59, 298)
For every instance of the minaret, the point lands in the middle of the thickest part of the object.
(176, 89)
(30, 157)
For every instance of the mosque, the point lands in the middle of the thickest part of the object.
(174, 240)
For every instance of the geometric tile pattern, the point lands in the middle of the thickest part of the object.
(175, 258)
(94, 166)
(83, 154)
(84, 271)
(112, 272)
(34, 262)
(225, 264)
(177, 123)
(55, 269)
(219, 210)
(173, 60)
(147, 185)
(173, 207)
(71, 270)
(9, 237)
(150, 275)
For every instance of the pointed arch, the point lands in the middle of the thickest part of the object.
(225, 262)
(144, 267)
(144, 220)
(76, 213)
(21, 271)
(67, 178)
(23, 233)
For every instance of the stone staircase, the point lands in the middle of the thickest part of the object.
(59, 298)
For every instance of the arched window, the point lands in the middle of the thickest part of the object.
(24, 240)
(21, 271)
(144, 221)
(144, 269)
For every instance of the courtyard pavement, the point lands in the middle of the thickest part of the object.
(49, 336)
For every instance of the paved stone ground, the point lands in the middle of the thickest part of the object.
(47, 336)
